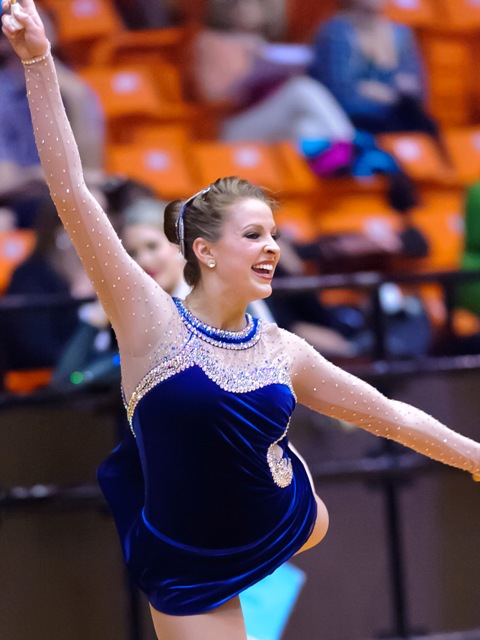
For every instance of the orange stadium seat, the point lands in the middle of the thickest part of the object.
(299, 179)
(449, 60)
(415, 13)
(130, 97)
(81, 23)
(464, 148)
(295, 220)
(140, 46)
(278, 167)
(418, 154)
(460, 14)
(443, 227)
(160, 134)
(28, 381)
(254, 161)
(15, 247)
(163, 167)
(374, 218)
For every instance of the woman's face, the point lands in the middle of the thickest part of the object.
(150, 248)
(247, 253)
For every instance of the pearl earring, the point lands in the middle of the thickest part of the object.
(211, 263)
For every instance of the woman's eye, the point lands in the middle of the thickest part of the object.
(253, 235)
(276, 235)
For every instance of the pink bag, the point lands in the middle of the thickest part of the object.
(335, 159)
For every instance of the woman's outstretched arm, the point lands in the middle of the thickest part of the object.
(136, 306)
(325, 388)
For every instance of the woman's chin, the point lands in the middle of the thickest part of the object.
(263, 291)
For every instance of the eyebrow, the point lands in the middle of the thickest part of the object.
(257, 225)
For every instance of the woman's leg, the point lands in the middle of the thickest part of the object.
(301, 108)
(226, 621)
(320, 528)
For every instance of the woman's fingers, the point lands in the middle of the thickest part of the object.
(29, 40)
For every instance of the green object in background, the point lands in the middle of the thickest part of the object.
(468, 294)
(268, 604)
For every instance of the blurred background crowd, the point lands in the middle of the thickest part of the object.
(361, 116)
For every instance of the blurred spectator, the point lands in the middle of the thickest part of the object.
(144, 239)
(264, 85)
(144, 14)
(19, 162)
(373, 68)
(7, 219)
(92, 352)
(35, 338)
(20, 170)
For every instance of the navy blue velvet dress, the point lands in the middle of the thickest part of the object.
(207, 497)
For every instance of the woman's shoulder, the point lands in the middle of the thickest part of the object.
(282, 337)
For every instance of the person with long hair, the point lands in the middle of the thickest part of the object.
(209, 389)
(373, 67)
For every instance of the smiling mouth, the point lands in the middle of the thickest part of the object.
(264, 270)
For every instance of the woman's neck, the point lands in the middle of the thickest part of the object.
(216, 311)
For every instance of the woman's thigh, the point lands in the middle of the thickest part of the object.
(320, 528)
(226, 621)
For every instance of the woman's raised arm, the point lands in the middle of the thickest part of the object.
(134, 303)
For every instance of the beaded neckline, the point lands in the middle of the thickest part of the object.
(221, 337)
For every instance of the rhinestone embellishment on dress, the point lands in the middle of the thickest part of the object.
(279, 463)
(244, 339)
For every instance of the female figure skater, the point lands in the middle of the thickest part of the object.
(209, 390)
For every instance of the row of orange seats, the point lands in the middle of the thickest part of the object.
(174, 163)
(91, 33)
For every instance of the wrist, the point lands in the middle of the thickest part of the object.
(29, 61)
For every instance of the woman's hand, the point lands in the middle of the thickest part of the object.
(30, 41)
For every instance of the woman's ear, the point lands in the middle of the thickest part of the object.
(202, 250)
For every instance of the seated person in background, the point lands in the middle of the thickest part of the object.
(92, 348)
(144, 239)
(19, 162)
(35, 338)
(373, 68)
(265, 86)
(144, 14)
(7, 219)
(20, 171)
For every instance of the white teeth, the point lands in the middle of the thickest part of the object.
(267, 267)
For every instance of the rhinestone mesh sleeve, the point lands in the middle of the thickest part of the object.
(325, 388)
(143, 316)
